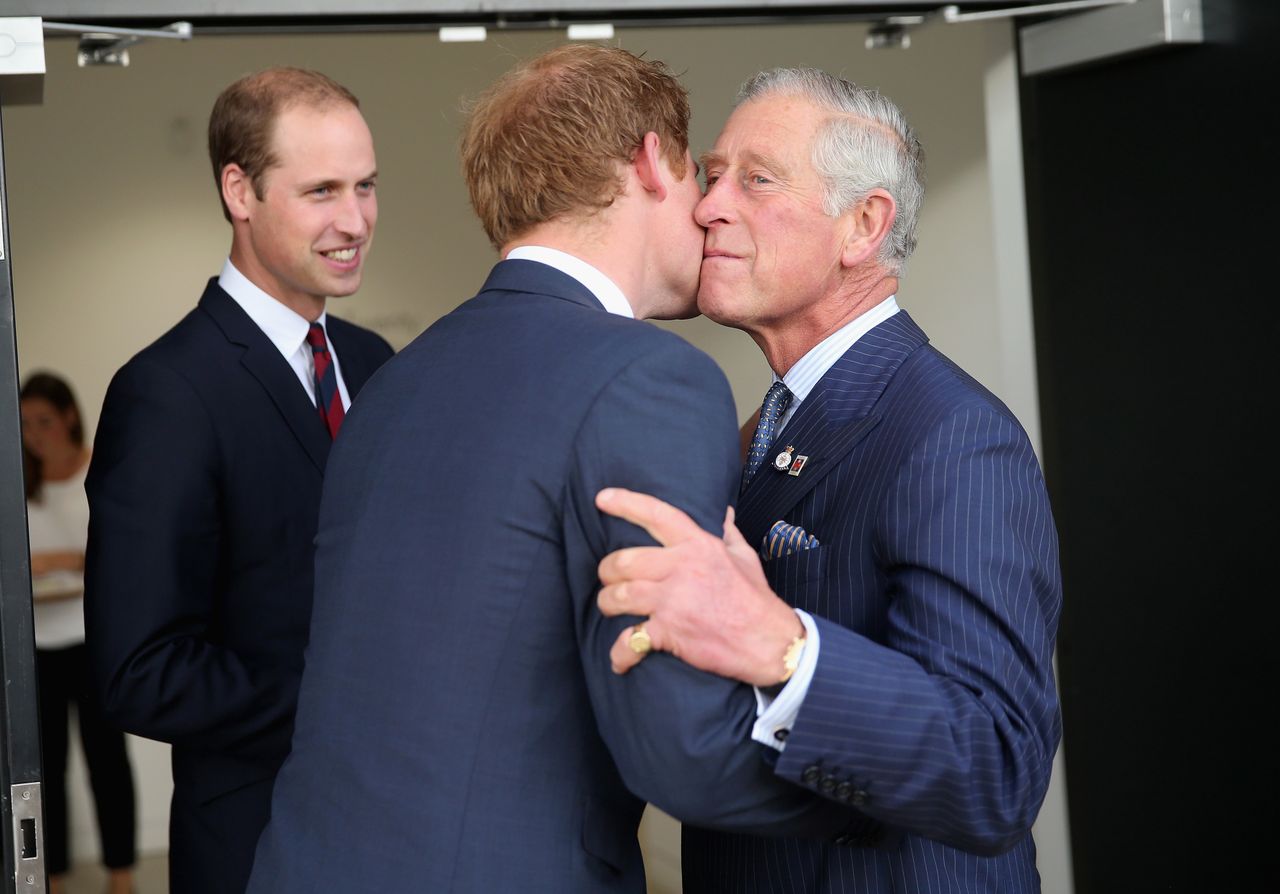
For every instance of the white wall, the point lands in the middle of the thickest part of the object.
(115, 224)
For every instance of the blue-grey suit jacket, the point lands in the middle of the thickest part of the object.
(936, 591)
(459, 727)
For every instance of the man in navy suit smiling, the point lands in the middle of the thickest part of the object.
(205, 483)
(458, 727)
(904, 666)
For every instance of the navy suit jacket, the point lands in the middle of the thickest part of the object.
(936, 591)
(459, 727)
(204, 492)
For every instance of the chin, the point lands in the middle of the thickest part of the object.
(343, 288)
(718, 312)
(678, 308)
(710, 306)
(683, 313)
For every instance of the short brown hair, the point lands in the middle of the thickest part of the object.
(545, 140)
(244, 115)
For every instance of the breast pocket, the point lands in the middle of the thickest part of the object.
(797, 578)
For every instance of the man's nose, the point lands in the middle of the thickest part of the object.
(352, 217)
(715, 206)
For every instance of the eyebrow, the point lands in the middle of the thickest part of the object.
(710, 159)
(333, 183)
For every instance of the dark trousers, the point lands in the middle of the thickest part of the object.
(63, 681)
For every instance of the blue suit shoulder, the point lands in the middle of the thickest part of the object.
(577, 334)
(937, 388)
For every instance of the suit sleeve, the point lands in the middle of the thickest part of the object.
(948, 727)
(151, 577)
(680, 738)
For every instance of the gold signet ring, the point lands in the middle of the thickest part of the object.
(639, 640)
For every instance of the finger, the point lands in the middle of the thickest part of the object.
(745, 557)
(637, 563)
(664, 522)
(636, 597)
(733, 538)
(622, 657)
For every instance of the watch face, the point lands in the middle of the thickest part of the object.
(782, 461)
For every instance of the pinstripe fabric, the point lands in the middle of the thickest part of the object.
(936, 590)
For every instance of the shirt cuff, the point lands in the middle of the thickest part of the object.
(775, 715)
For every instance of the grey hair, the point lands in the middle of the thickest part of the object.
(866, 145)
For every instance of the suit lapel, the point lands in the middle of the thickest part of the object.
(838, 413)
(272, 371)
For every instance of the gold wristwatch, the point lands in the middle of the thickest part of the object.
(791, 657)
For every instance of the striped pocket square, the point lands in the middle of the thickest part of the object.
(784, 539)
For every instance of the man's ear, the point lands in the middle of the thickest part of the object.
(869, 223)
(649, 166)
(237, 191)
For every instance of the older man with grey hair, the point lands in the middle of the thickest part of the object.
(891, 586)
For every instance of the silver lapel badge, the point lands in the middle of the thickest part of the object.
(783, 460)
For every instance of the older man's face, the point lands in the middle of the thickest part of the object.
(771, 251)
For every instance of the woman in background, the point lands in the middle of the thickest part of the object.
(56, 459)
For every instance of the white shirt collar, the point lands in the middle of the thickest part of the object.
(602, 287)
(286, 328)
(806, 372)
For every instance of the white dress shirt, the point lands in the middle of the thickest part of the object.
(602, 287)
(286, 329)
(775, 716)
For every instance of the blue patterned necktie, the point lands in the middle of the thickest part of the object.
(775, 404)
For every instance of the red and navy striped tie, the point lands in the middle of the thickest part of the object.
(328, 399)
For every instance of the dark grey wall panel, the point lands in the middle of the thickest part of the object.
(1152, 245)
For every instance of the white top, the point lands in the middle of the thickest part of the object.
(59, 521)
(286, 329)
(775, 717)
(605, 289)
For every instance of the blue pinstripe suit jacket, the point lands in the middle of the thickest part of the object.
(936, 591)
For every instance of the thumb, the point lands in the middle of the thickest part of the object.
(743, 554)
(733, 539)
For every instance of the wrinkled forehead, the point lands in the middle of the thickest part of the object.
(775, 132)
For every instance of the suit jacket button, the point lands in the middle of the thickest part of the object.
(810, 775)
(828, 785)
(859, 798)
(844, 791)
